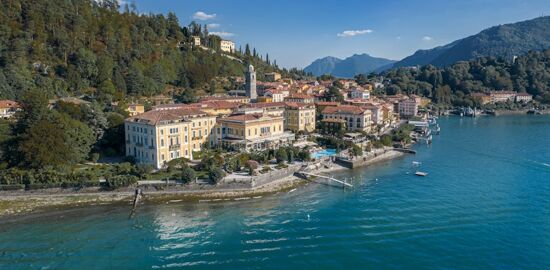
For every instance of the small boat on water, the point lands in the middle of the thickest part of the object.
(419, 173)
(416, 163)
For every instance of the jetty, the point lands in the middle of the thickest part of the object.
(344, 184)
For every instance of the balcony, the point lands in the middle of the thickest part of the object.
(174, 147)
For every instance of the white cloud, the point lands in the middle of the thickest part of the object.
(352, 33)
(222, 34)
(213, 25)
(200, 15)
(427, 38)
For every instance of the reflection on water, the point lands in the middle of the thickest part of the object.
(484, 205)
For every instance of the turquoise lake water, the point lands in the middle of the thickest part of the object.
(484, 205)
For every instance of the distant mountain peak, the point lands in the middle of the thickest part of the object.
(349, 67)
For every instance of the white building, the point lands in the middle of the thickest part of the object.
(359, 93)
(276, 95)
(408, 107)
(196, 40)
(8, 108)
(227, 46)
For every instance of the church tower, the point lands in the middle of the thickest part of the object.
(250, 77)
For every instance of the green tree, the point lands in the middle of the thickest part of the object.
(216, 174)
(188, 174)
(281, 155)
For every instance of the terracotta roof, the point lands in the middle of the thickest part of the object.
(220, 104)
(346, 109)
(327, 103)
(503, 93)
(156, 116)
(221, 98)
(246, 117)
(212, 104)
(265, 104)
(9, 104)
(302, 96)
(297, 105)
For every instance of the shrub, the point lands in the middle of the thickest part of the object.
(216, 174)
(281, 155)
(188, 175)
(144, 169)
(119, 181)
(12, 187)
(252, 165)
(386, 140)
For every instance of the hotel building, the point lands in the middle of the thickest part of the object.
(357, 118)
(158, 136)
(300, 117)
(252, 132)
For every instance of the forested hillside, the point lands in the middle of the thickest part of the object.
(78, 47)
(504, 41)
(529, 73)
(103, 53)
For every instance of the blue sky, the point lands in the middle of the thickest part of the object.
(296, 32)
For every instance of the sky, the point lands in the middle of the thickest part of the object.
(296, 32)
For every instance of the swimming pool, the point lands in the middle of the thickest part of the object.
(324, 153)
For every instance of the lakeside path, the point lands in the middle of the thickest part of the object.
(27, 202)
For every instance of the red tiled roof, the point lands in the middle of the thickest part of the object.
(327, 103)
(347, 109)
(297, 105)
(265, 104)
(9, 104)
(220, 98)
(301, 96)
(246, 117)
(156, 116)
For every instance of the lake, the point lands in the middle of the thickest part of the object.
(485, 204)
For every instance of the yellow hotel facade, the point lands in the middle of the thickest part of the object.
(300, 117)
(255, 131)
(158, 136)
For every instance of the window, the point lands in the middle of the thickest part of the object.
(185, 138)
(162, 157)
(162, 143)
(162, 132)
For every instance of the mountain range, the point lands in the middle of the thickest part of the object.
(349, 67)
(505, 41)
